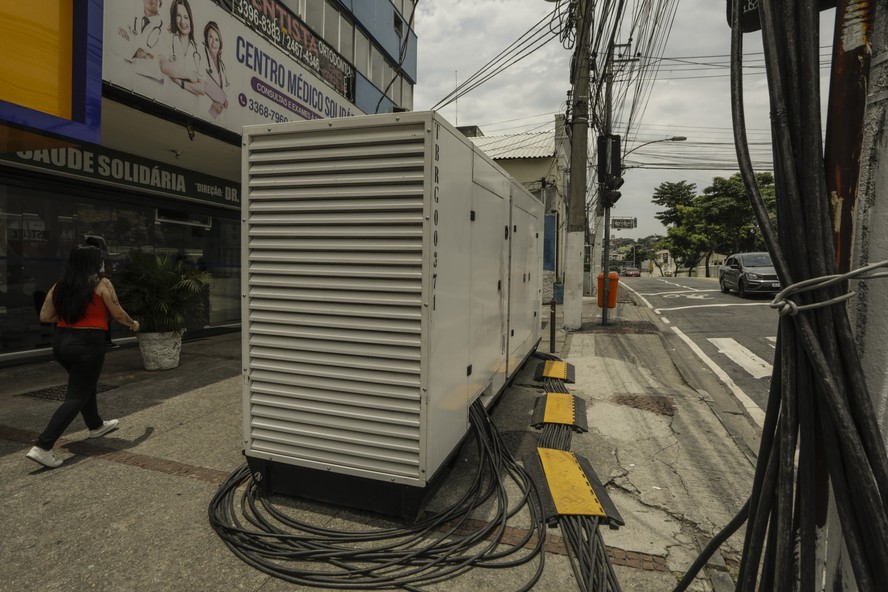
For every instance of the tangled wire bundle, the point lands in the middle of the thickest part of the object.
(438, 547)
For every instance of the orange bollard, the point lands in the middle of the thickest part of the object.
(613, 281)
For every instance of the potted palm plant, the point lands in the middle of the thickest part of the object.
(166, 296)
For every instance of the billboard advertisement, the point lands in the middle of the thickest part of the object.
(196, 57)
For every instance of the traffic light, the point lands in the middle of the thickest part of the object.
(610, 197)
(609, 165)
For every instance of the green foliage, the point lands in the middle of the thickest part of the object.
(163, 294)
(719, 220)
(725, 209)
(673, 196)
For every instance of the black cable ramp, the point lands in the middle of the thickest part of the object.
(571, 495)
(560, 408)
(555, 369)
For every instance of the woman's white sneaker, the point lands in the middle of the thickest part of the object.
(107, 426)
(47, 458)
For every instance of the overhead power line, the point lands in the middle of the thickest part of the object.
(528, 43)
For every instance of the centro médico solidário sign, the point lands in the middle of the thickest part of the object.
(125, 170)
(227, 70)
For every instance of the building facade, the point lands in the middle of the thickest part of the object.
(122, 121)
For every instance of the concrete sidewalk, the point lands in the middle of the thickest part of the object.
(129, 511)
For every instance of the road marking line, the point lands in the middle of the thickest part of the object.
(742, 356)
(772, 341)
(754, 411)
(643, 299)
(676, 292)
(722, 305)
(679, 285)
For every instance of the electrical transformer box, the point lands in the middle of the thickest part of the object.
(391, 276)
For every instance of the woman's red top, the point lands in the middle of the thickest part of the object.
(96, 316)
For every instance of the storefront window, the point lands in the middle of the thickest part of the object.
(38, 228)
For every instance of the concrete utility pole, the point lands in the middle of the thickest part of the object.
(576, 222)
(608, 126)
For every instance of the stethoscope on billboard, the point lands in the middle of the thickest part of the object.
(223, 74)
(195, 55)
(153, 34)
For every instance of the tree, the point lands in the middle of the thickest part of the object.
(689, 241)
(728, 215)
(672, 196)
(718, 220)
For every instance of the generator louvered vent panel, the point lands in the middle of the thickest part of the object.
(335, 233)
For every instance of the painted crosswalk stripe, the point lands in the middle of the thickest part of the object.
(742, 356)
(772, 341)
(755, 412)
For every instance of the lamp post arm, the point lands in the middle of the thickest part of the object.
(672, 139)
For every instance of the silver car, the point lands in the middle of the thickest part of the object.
(748, 273)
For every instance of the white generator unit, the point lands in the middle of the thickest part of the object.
(391, 276)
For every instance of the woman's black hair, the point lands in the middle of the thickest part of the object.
(74, 291)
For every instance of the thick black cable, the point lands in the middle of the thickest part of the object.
(831, 391)
(820, 344)
(406, 560)
(785, 495)
(809, 452)
(711, 547)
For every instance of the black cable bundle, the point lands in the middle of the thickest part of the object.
(438, 547)
(819, 406)
(588, 557)
(556, 436)
(586, 551)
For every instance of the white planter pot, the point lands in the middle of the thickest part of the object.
(160, 351)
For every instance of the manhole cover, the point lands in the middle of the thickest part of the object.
(654, 403)
(57, 393)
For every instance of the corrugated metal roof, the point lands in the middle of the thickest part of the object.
(531, 145)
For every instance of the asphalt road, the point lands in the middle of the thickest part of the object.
(724, 337)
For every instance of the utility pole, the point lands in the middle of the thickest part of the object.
(609, 173)
(576, 221)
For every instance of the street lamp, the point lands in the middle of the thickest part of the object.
(672, 139)
(609, 195)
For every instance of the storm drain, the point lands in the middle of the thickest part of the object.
(653, 403)
(57, 393)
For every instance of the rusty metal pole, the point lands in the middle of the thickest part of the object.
(848, 88)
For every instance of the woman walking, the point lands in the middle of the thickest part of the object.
(79, 303)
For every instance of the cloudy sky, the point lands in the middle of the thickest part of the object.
(690, 97)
